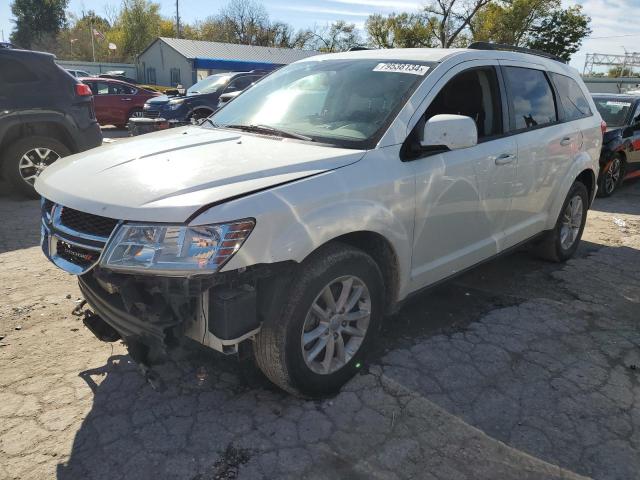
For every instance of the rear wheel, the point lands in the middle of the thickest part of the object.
(611, 176)
(329, 319)
(559, 244)
(27, 158)
(134, 113)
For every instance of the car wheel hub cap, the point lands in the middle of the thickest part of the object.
(571, 222)
(336, 324)
(34, 162)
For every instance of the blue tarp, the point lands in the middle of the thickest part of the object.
(232, 65)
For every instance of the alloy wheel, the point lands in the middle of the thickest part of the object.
(336, 324)
(33, 162)
(612, 175)
(571, 222)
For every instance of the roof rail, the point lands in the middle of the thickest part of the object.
(511, 48)
(358, 48)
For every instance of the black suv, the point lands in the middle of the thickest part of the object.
(201, 99)
(620, 157)
(45, 114)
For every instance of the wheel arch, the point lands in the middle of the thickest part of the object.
(208, 111)
(382, 252)
(588, 178)
(584, 169)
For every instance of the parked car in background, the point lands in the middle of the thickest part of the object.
(156, 88)
(320, 199)
(201, 99)
(46, 114)
(78, 73)
(116, 101)
(227, 97)
(620, 157)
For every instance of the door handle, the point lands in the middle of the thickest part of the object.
(505, 159)
(125, 99)
(565, 141)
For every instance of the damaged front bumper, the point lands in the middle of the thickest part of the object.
(153, 314)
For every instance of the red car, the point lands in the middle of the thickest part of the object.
(115, 101)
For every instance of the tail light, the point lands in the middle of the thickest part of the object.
(83, 90)
(603, 126)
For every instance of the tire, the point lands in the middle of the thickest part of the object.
(611, 178)
(555, 246)
(30, 149)
(279, 347)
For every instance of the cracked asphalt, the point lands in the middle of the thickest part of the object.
(519, 369)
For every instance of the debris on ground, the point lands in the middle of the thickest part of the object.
(620, 222)
(18, 327)
(228, 466)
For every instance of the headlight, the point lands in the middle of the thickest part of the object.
(173, 249)
(175, 104)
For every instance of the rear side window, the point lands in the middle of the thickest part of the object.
(14, 71)
(573, 101)
(119, 89)
(531, 98)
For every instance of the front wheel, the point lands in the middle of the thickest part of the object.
(327, 324)
(559, 244)
(611, 177)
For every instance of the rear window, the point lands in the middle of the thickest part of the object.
(532, 100)
(573, 101)
(14, 71)
(614, 111)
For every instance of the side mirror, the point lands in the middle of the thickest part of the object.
(450, 131)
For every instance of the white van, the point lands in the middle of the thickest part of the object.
(292, 220)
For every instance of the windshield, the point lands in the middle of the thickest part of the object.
(614, 111)
(209, 84)
(347, 103)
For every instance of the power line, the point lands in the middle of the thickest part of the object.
(615, 36)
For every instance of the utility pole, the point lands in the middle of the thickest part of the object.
(177, 19)
(93, 47)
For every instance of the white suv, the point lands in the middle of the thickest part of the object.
(296, 217)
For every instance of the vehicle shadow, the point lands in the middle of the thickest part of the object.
(625, 200)
(20, 218)
(219, 418)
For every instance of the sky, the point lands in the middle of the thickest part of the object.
(612, 32)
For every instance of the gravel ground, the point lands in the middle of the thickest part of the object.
(518, 369)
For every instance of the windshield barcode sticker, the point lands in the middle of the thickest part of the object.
(411, 68)
(618, 104)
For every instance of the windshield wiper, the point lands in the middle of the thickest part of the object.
(270, 130)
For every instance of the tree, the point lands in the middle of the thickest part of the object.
(451, 18)
(336, 37)
(244, 21)
(140, 23)
(404, 30)
(562, 32)
(511, 21)
(620, 72)
(37, 20)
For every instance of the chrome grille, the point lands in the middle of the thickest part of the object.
(151, 113)
(73, 240)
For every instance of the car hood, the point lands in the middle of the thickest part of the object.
(159, 100)
(167, 176)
